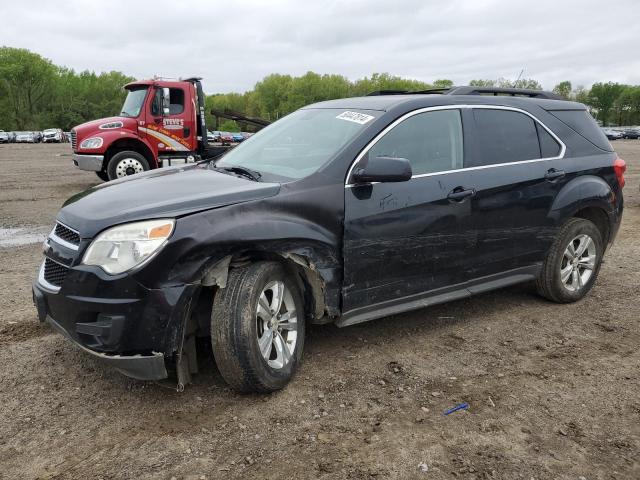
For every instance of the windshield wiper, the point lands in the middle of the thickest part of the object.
(126, 114)
(244, 171)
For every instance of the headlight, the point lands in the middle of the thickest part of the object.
(93, 142)
(122, 248)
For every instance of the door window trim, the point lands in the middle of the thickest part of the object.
(376, 139)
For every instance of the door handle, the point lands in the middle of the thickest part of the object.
(458, 194)
(553, 174)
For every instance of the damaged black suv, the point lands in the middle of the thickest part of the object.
(343, 211)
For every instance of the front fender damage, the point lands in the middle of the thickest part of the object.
(319, 279)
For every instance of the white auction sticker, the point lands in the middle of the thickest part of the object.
(356, 117)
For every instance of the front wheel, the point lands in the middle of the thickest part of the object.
(257, 328)
(573, 263)
(126, 163)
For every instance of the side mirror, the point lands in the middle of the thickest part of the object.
(382, 169)
(166, 100)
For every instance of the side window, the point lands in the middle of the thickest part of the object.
(431, 141)
(176, 102)
(548, 146)
(504, 136)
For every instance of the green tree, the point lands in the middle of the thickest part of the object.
(26, 85)
(563, 89)
(482, 83)
(443, 83)
(627, 106)
(603, 97)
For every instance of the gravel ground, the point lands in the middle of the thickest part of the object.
(553, 389)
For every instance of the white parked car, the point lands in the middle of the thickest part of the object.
(26, 137)
(52, 135)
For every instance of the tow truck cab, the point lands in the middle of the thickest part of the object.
(161, 123)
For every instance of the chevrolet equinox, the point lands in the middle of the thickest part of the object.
(343, 211)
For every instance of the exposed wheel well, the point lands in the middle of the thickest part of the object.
(309, 281)
(599, 218)
(129, 144)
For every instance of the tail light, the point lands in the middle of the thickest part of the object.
(619, 167)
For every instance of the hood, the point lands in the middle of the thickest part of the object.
(93, 127)
(162, 193)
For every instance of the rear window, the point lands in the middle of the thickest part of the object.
(583, 123)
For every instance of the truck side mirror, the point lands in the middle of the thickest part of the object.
(166, 101)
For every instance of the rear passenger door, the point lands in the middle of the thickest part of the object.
(512, 169)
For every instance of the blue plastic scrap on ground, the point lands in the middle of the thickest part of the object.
(461, 406)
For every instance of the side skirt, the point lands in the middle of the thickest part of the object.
(440, 295)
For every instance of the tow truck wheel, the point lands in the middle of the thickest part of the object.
(126, 163)
(257, 328)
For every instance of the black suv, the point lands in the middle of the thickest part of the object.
(344, 211)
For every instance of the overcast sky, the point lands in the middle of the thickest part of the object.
(233, 44)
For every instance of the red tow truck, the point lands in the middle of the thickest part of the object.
(162, 122)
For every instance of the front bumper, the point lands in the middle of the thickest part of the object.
(116, 320)
(92, 163)
(141, 367)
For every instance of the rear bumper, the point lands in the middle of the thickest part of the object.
(92, 163)
(141, 367)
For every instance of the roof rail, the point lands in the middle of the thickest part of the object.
(514, 92)
(388, 92)
(519, 92)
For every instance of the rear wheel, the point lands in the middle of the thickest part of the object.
(573, 263)
(257, 328)
(126, 163)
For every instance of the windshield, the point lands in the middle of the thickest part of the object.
(299, 144)
(133, 102)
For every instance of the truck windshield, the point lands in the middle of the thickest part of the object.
(299, 144)
(133, 102)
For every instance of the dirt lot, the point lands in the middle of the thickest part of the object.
(554, 391)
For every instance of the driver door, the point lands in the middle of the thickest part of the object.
(170, 125)
(406, 238)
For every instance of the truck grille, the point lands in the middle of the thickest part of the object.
(54, 273)
(66, 234)
(74, 139)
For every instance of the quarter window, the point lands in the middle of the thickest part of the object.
(548, 146)
(431, 141)
(504, 136)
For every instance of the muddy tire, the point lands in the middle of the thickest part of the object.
(257, 328)
(126, 163)
(573, 262)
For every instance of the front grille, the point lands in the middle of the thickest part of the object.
(66, 234)
(74, 139)
(54, 273)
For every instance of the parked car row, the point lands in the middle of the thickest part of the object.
(616, 134)
(227, 137)
(50, 135)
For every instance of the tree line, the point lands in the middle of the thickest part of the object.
(36, 94)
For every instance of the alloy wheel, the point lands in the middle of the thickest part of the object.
(277, 324)
(578, 263)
